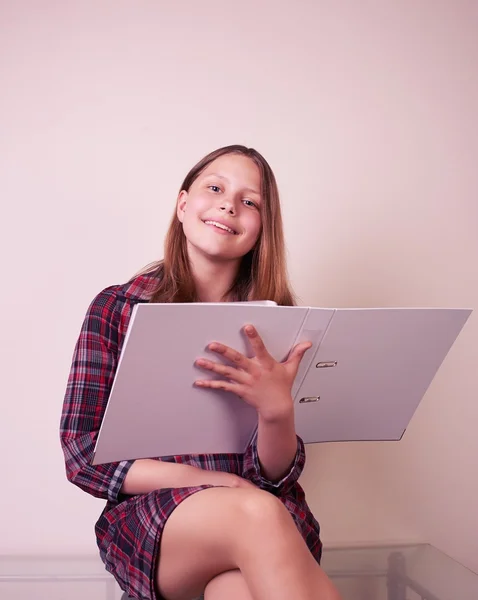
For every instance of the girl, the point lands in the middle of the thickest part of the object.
(249, 533)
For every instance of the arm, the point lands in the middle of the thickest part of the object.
(276, 445)
(89, 384)
(275, 458)
(276, 461)
(147, 475)
(272, 462)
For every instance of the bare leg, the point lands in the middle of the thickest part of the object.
(230, 585)
(225, 529)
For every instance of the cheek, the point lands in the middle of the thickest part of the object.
(254, 226)
(201, 203)
(195, 207)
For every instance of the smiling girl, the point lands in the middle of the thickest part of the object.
(231, 526)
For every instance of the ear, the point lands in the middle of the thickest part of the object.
(181, 205)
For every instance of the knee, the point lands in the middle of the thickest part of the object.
(259, 507)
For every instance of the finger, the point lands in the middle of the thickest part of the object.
(226, 371)
(257, 344)
(219, 384)
(239, 360)
(298, 352)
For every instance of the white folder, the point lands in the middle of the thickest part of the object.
(362, 379)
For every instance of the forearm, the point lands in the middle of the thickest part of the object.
(276, 444)
(147, 475)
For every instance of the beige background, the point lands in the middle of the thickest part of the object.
(367, 112)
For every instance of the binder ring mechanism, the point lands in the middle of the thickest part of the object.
(326, 365)
(320, 365)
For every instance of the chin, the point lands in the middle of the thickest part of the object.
(217, 252)
(220, 256)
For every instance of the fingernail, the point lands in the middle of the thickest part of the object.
(249, 329)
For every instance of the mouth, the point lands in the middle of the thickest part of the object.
(220, 226)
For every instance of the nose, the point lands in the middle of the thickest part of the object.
(227, 206)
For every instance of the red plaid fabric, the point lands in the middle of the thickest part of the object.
(129, 529)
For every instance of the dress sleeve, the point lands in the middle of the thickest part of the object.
(252, 469)
(89, 384)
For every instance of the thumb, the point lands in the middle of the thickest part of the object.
(298, 352)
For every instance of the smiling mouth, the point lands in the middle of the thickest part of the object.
(220, 226)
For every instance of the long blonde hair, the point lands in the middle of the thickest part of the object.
(262, 273)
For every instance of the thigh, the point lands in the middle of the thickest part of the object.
(201, 536)
(129, 536)
(230, 585)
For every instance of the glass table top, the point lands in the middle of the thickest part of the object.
(401, 572)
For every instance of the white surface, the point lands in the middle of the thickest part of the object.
(386, 359)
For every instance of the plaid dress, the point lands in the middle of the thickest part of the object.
(129, 529)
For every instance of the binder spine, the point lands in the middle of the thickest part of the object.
(298, 382)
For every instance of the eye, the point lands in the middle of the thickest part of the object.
(215, 188)
(250, 203)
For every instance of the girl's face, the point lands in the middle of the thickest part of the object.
(221, 212)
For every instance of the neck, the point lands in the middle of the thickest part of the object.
(213, 279)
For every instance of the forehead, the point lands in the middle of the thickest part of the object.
(236, 168)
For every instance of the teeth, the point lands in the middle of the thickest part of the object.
(220, 225)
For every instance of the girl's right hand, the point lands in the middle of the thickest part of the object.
(221, 478)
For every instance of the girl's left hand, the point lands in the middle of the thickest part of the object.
(261, 381)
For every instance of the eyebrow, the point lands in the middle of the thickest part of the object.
(226, 179)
